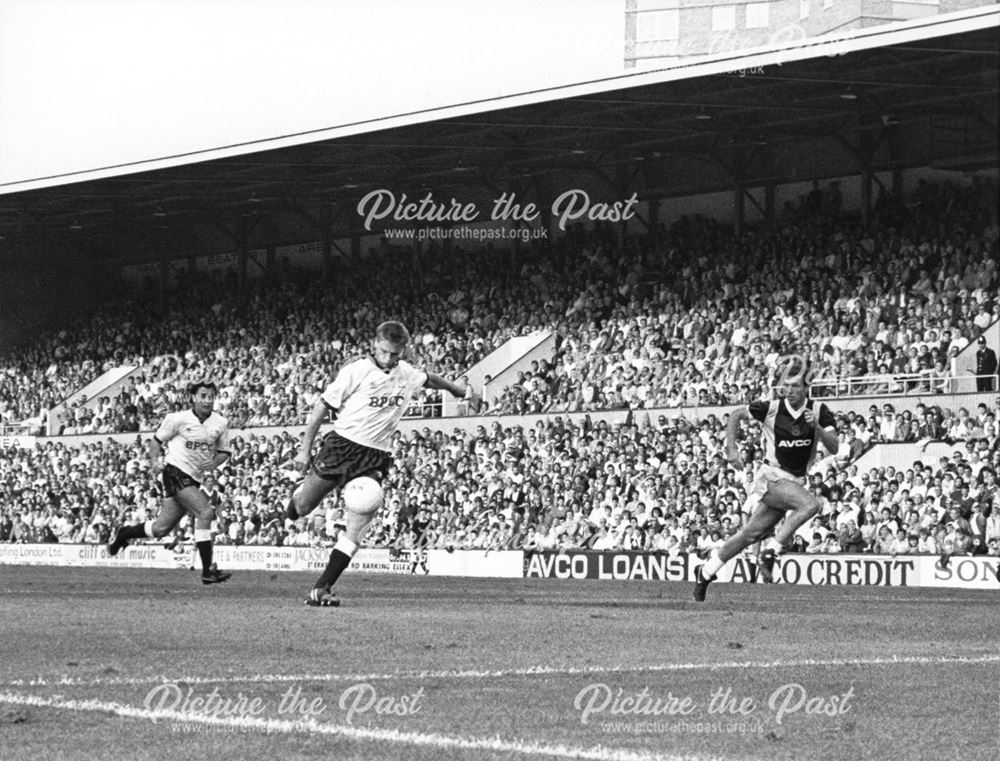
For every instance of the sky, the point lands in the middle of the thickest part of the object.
(111, 84)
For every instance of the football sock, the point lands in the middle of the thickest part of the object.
(712, 565)
(203, 541)
(134, 531)
(340, 558)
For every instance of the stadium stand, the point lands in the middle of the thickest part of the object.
(861, 306)
(700, 317)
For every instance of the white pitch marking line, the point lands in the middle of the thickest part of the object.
(498, 674)
(62, 592)
(311, 726)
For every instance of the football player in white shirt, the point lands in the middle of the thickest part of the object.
(195, 441)
(368, 398)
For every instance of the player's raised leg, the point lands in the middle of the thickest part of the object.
(166, 521)
(321, 472)
(194, 501)
(799, 506)
(763, 519)
(307, 495)
(362, 499)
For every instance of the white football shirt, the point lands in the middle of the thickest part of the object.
(190, 444)
(370, 402)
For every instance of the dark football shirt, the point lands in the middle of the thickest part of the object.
(420, 529)
(789, 442)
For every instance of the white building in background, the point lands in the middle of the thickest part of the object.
(661, 32)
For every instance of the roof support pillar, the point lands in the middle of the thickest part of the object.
(164, 276)
(866, 194)
(326, 228)
(739, 208)
(242, 253)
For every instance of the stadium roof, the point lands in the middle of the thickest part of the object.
(912, 94)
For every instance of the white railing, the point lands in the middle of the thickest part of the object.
(928, 382)
(14, 429)
(430, 406)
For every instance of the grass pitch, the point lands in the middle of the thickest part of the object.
(150, 665)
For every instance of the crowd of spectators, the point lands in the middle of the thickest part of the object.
(894, 303)
(271, 353)
(923, 424)
(653, 485)
(694, 315)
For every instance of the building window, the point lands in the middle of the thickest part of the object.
(803, 9)
(723, 18)
(652, 26)
(758, 15)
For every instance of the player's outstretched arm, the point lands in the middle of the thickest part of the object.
(459, 390)
(736, 417)
(155, 452)
(826, 434)
(316, 417)
(829, 438)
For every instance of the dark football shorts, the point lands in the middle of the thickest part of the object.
(340, 460)
(175, 479)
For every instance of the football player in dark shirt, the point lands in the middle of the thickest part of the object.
(421, 538)
(791, 430)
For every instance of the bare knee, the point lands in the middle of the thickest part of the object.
(812, 507)
(310, 493)
(160, 530)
